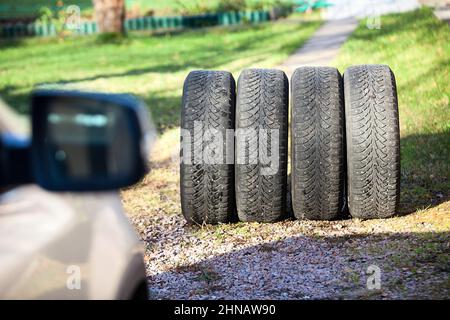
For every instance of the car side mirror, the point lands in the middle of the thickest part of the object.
(88, 141)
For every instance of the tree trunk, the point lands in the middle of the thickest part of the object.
(110, 15)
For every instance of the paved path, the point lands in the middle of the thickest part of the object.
(322, 47)
(341, 20)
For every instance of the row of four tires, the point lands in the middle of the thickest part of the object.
(342, 154)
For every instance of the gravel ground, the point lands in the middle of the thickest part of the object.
(290, 260)
(286, 260)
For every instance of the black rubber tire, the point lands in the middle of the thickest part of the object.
(317, 143)
(262, 103)
(373, 141)
(207, 190)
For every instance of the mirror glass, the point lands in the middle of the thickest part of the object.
(89, 140)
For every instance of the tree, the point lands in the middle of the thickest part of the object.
(110, 15)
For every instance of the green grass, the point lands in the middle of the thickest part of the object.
(152, 67)
(417, 48)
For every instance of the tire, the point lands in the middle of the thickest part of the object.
(262, 103)
(317, 143)
(373, 141)
(207, 187)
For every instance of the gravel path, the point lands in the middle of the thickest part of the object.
(323, 46)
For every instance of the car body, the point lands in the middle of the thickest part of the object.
(65, 245)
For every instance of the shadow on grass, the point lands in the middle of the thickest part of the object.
(425, 171)
(17, 101)
(412, 265)
(206, 30)
(11, 43)
(166, 111)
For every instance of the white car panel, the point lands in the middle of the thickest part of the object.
(49, 239)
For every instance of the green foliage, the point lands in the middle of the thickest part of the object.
(193, 7)
(27, 8)
(416, 45)
(56, 18)
(45, 15)
(231, 5)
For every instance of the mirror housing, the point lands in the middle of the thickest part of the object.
(84, 141)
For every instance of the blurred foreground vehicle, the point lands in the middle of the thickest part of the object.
(63, 234)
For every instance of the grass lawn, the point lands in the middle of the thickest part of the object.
(417, 48)
(152, 67)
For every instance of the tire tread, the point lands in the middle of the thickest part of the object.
(262, 103)
(317, 137)
(373, 141)
(207, 190)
